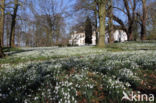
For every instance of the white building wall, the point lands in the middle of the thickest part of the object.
(120, 36)
(94, 38)
(79, 38)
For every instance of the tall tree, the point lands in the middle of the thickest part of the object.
(2, 18)
(152, 20)
(110, 23)
(102, 14)
(13, 23)
(2, 9)
(59, 27)
(142, 15)
(7, 28)
(49, 21)
(96, 22)
(136, 29)
(129, 10)
(88, 31)
(144, 20)
(131, 16)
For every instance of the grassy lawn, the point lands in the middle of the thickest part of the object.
(78, 74)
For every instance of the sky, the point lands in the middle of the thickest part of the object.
(66, 5)
(71, 19)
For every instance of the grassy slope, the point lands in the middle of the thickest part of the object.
(147, 85)
(117, 47)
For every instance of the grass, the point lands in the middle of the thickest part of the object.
(8, 49)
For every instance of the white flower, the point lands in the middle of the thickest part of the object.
(36, 98)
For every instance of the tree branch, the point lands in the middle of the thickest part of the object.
(127, 9)
(115, 18)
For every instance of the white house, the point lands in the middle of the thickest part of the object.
(120, 35)
(79, 38)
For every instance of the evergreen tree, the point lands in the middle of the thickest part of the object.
(88, 31)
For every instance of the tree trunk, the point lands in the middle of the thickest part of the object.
(143, 32)
(131, 17)
(2, 9)
(102, 11)
(7, 32)
(130, 36)
(18, 39)
(144, 19)
(13, 23)
(2, 17)
(96, 23)
(130, 32)
(1, 53)
(110, 28)
(130, 11)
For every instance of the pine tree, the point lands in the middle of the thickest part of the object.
(88, 31)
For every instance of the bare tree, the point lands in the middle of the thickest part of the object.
(152, 20)
(48, 20)
(7, 28)
(143, 19)
(129, 10)
(59, 25)
(13, 23)
(2, 18)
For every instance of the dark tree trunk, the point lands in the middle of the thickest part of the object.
(130, 36)
(143, 31)
(96, 23)
(110, 28)
(1, 53)
(130, 32)
(13, 23)
(7, 33)
(130, 13)
(144, 19)
(12, 33)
